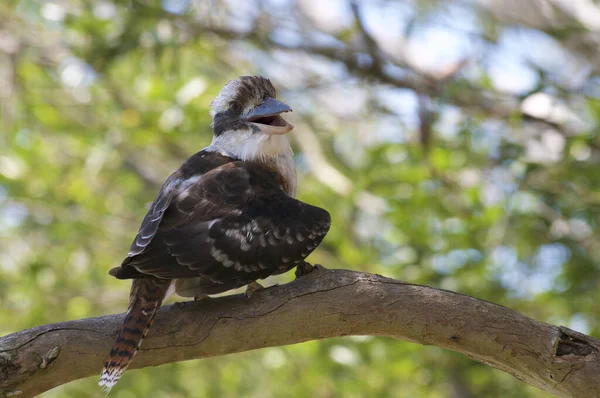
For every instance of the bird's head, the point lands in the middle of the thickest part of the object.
(247, 122)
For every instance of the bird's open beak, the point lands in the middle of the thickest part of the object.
(266, 117)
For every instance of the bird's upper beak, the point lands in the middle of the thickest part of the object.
(266, 117)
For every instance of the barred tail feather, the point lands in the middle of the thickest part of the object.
(146, 297)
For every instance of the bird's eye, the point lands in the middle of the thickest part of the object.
(235, 107)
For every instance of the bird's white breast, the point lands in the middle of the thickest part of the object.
(273, 150)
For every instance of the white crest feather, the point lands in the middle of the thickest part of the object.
(221, 101)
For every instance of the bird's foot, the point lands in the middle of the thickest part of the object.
(305, 268)
(200, 297)
(251, 288)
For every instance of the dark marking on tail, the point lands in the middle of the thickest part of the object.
(146, 297)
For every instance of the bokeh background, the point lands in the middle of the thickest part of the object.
(454, 142)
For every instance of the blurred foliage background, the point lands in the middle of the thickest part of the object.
(454, 142)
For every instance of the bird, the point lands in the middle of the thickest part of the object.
(225, 219)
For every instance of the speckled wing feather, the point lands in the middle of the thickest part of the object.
(154, 216)
(232, 225)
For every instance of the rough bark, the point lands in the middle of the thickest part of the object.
(322, 304)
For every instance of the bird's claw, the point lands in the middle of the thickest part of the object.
(305, 268)
(251, 288)
(319, 267)
(200, 297)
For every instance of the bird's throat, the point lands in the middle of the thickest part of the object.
(274, 152)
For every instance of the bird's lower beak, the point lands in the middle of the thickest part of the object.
(266, 117)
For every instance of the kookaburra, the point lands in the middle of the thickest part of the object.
(226, 218)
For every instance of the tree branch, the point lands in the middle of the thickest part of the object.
(322, 304)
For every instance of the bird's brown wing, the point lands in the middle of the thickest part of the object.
(154, 216)
(231, 225)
